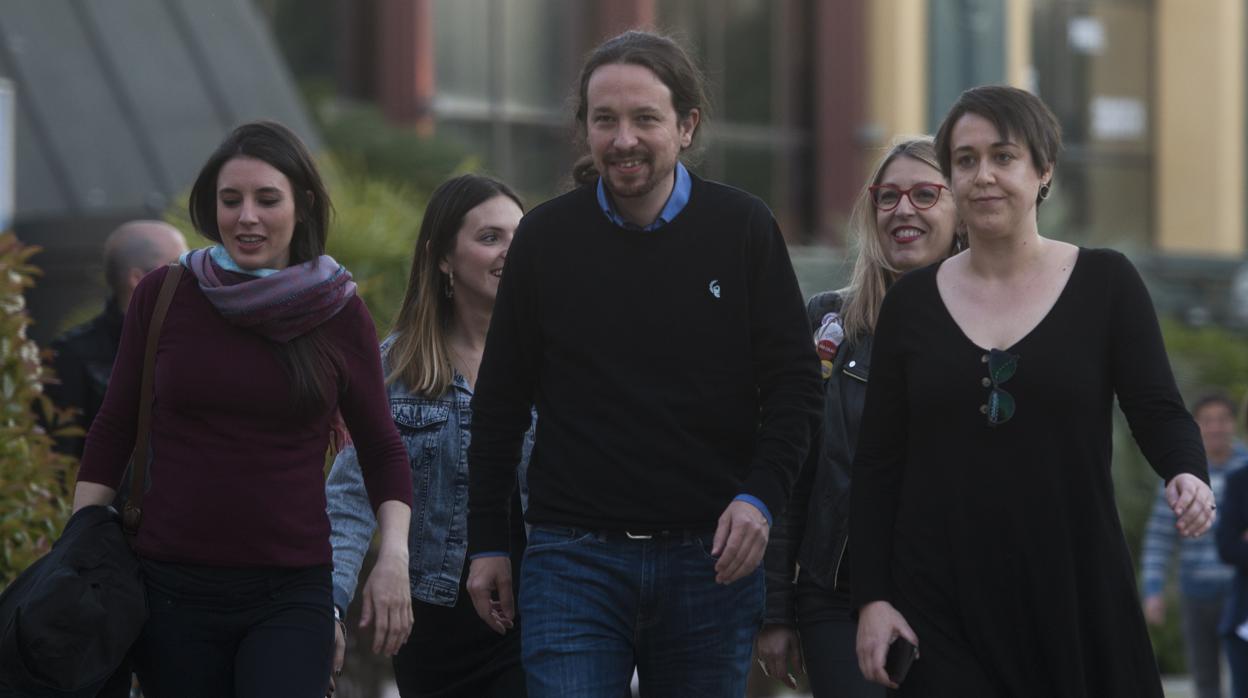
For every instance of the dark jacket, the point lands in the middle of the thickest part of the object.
(67, 622)
(84, 359)
(1233, 549)
(813, 532)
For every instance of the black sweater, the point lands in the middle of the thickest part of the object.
(671, 370)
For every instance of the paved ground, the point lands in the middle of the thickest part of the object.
(1176, 687)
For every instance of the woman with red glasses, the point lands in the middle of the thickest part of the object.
(985, 530)
(904, 219)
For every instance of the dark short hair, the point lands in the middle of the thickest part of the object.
(1214, 397)
(278, 146)
(1016, 113)
(664, 57)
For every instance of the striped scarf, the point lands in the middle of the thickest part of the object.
(277, 304)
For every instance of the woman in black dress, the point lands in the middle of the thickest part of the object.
(983, 510)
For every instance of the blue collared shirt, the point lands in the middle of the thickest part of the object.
(675, 202)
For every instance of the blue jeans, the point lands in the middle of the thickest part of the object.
(597, 605)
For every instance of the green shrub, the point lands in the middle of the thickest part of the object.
(374, 232)
(34, 480)
(365, 144)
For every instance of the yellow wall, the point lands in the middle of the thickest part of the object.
(1018, 62)
(897, 67)
(1199, 165)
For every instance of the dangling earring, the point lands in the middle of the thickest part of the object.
(450, 284)
(1044, 191)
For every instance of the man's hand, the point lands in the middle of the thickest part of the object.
(779, 653)
(878, 625)
(1155, 609)
(1193, 504)
(388, 602)
(489, 587)
(740, 541)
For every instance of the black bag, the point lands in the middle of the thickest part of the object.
(71, 617)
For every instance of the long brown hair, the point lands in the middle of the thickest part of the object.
(310, 361)
(419, 355)
(872, 271)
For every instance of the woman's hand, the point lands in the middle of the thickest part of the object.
(388, 594)
(878, 625)
(388, 603)
(1193, 504)
(779, 653)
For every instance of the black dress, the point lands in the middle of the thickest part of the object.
(1001, 545)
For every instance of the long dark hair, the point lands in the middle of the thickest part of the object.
(419, 355)
(310, 361)
(663, 57)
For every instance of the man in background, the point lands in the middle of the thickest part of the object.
(85, 353)
(1204, 580)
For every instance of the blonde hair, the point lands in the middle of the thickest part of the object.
(873, 273)
(419, 355)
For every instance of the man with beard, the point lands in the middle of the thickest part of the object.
(654, 320)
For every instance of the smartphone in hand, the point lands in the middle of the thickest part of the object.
(901, 654)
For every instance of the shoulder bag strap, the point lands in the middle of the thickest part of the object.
(138, 461)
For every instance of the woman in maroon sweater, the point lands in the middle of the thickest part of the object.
(264, 343)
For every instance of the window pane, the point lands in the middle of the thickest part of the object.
(966, 47)
(747, 59)
(536, 37)
(462, 50)
(1102, 203)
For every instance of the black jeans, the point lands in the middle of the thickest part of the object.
(829, 636)
(241, 633)
(452, 653)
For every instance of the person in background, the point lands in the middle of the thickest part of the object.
(654, 319)
(904, 219)
(84, 354)
(984, 525)
(1232, 539)
(431, 358)
(1204, 580)
(265, 340)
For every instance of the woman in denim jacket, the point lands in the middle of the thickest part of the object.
(904, 219)
(430, 360)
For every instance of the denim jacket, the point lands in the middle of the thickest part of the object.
(435, 432)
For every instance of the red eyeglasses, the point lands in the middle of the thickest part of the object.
(923, 195)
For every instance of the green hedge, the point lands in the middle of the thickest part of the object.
(34, 497)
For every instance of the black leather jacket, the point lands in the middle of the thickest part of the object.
(83, 363)
(813, 532)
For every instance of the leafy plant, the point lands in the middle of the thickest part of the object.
(34, 480)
